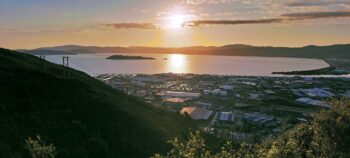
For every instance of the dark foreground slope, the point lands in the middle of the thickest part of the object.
(81, 116)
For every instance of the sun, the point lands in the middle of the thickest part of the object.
(176, 21)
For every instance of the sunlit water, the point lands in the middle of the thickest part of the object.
(197, 64)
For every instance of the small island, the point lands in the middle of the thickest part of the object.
(127, 57)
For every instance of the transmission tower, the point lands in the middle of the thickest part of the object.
(65, 61)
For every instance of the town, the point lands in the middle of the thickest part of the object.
(243, 108)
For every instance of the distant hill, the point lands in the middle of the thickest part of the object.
(319, 52)
(80, 115)
(48, 52)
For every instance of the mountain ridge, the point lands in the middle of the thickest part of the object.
(310, 51)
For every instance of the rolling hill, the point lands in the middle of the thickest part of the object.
(80, 115)
(318, 52)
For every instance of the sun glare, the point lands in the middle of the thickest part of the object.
(176, 21)
(177, 60)
(177, 63)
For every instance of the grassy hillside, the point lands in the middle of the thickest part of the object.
(81, 116)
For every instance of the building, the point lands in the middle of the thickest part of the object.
(174, 100)
(317, 92)
(225, 116)
(207, 92)
(253, 96)
(309, 101)
(206, 83)
(147, 79)
(223, 93)
(138, 83)
(197, 113)
(260, 118)
(215, 92)
(226, 87)
(269, 92)
(183, 94)
(203, 105)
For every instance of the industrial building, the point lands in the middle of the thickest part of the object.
(197, 113)
(225, 116)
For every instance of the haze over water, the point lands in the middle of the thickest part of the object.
(196, 64)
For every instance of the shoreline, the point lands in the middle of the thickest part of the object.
(334, 68)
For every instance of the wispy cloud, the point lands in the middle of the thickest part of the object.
(10, 30)
(197, 23)
(279, 19)
(133, 25)
(231, 22)
(315, 15)
(199, 2)
(316, 3)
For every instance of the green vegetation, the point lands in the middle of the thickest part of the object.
(127, 57)
(194, 147)
(38, 148)
(327, 135)
(80, 115)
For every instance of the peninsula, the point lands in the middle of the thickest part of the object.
(127, 57)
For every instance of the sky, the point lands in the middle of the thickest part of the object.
(27, 24)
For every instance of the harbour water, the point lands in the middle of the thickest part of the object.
(197, 64)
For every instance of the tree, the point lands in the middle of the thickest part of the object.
(39, 149)
(327, 135)
(194, 147)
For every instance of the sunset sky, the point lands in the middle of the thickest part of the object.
(173, 23)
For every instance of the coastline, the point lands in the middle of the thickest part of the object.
(336, 67)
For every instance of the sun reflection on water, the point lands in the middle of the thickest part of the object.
(177, 63)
